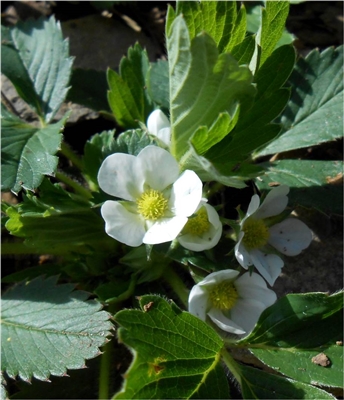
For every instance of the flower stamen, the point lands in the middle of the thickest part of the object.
(198, 223)
(256, 233)
(152, 204)
(224, 295)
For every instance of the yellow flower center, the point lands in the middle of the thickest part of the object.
(256, 233)
(152, 204)
(198, 223)
(224, 295)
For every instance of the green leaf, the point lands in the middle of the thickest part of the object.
(28, 153)
(257, 384)
(314, 113)
(254, 127)
(272, 25)
(128, 98)
(176, 354)
(199, 95)
(88, 88)
(58, 222)
(158, 83)
(219, 19)
(47, 329)
(103, 144)
(316, 184)
(41, 57)
(293, 319)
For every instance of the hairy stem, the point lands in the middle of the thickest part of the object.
(70, 182)
(176, 283)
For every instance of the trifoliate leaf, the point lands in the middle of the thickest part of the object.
(313, 184)
(128, 98)
(176, 354)
(314, 113)
(37, 62)
(48, 328)
(28, 153)
(199, 95)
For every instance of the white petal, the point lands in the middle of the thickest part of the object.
(246, 313)
(186, 194)
(226, 324)
(121, 224)
(121, 176)
(254, 287)
(253, 206)
(268, 265)
(165, 136)
(290, 236)
(218, 277)
(208, 239)
(159, 167)
(198, 302)
(156, 121)
(242, 255)
(274, 203)
(164, 230)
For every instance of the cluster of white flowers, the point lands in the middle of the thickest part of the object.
(158, 203)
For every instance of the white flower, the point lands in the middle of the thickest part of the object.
(158, 199)
(233, 303)
(289, 237)
(203, 229)
(159, 126)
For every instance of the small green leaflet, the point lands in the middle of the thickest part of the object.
(28, 152)
(314, 113)
(199, 95)
(128, 98)
(176, 354)
(48, 328)
(37, 62)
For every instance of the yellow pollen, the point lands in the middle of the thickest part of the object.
(224, 295)
(198, 224)
(256, 233)
(152, 204)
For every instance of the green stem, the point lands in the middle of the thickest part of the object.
(173, 279)
(104, 376)
(68, 153)
(231, 364)
(70, 182)
(105, 363)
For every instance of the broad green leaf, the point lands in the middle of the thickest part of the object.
(28, 153)
(176, 354)
(47, 329)
(158, 83)
(257, 384)
(315, 111)
(288, 322)
(199, 95)
(297, 363)
(127, 96)
(254, 127)
(272, 26)
(88, 88)
(58, 222)
(103, 144)
(41, 57)
(312, 183)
